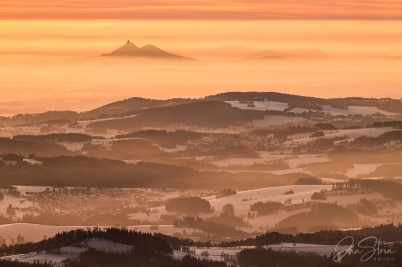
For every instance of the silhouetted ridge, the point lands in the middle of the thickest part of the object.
(131, 50)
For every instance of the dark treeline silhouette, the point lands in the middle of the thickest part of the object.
(7, 263)
(387, 232)
(210, 227)
(317, 134)
(366, 207)
(60, 137)
(123, 150)
(46, 116)
(379, 140)
(83, 171)
(325, 126)
(297, 104)
(385, 170)
(12, 157)
(283, 133)
(225, 192)
(264, 208)
(227, 219)
(391, 189)
(201, 114)
(261, 257)
(397, 124)
(129, 105)
(4, 220)
(325, 214)
(165, 138)
(319, 196)
(64, 239)
(137, 257)
(188, 205)
(23, 147)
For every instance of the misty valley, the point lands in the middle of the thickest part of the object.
(234, 179)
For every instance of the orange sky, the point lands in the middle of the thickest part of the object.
(49, 49)
(95, 37)
(197, 9)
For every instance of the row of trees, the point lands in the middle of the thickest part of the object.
(388, 232)
(264, 208)
(261, 257)
(129, 237)
(210, 227)
(80, 171)
(137, 257)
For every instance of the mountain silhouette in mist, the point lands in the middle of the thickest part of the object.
(288, 55)
(149, 51)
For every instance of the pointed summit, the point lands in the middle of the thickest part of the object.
(128, 49)
(148, 51)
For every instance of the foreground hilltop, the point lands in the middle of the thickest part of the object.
(221, 107)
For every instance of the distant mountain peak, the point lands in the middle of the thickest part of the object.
(148, 51)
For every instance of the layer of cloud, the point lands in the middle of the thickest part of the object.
(202, 10)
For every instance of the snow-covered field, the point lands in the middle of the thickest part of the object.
(71, 251)
(331, 180)
(282, 172)
(259, 105)
(349, 133)
(243, 199)
(299, 247)
(237, 161)
(280, 106)
(215, 252)
(293, 160)
(72, 146)
(270, 120)
(306, 159)
(364, 110)
(169, 150)
(85, 123)
(273, 155)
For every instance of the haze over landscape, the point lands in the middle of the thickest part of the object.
(200, 133)
(359, 58)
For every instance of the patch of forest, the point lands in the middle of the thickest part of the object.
(80, 171)
(208, 114)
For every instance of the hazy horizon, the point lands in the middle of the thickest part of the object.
(51, 62)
